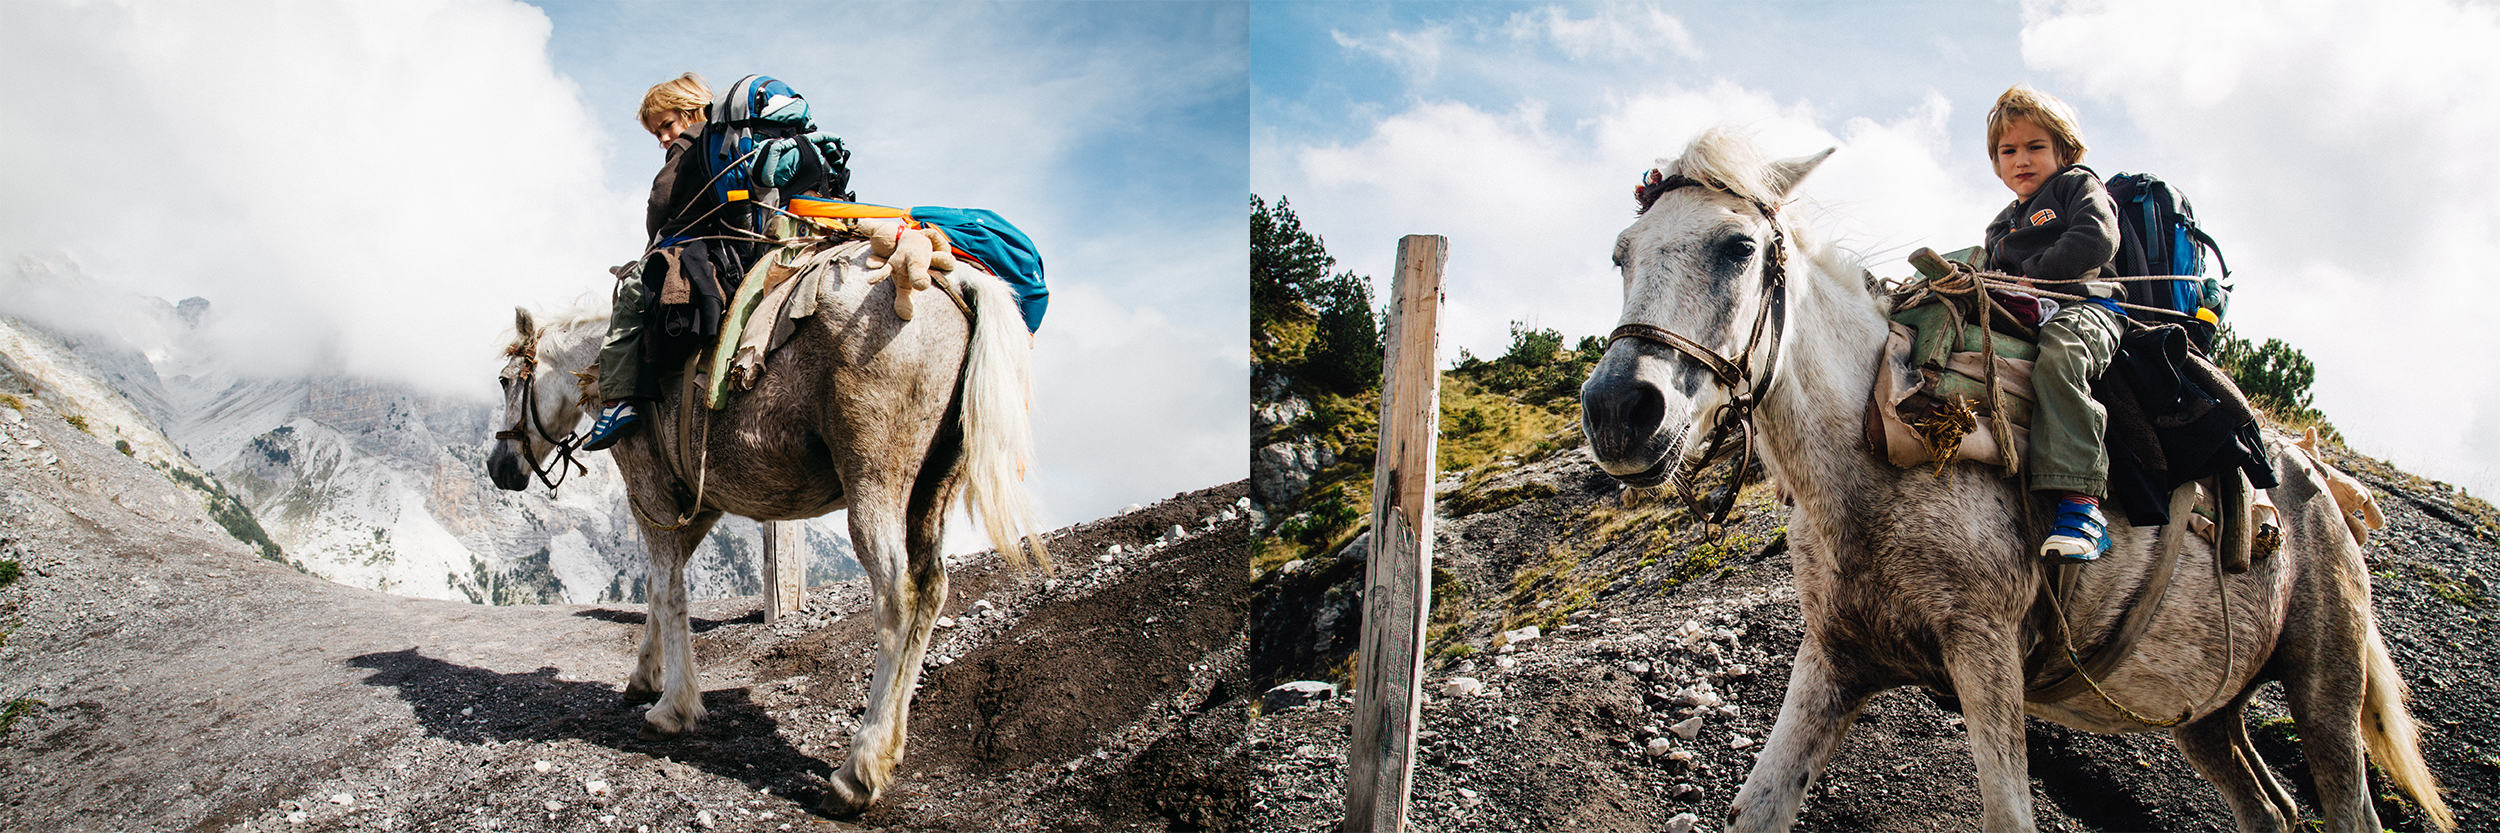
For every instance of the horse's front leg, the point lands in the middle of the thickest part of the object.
(905, 562)
(665, 668)
(1987, 678)
(1817, 710)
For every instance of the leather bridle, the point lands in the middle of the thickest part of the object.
(1745, 390)
(523, 370)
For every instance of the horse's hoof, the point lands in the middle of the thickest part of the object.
(637, 695)
(652, 732)
(844, 798)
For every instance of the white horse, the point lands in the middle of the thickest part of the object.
(892, 419)
(1908, 578)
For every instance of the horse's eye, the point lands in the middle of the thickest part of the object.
(1737, 248)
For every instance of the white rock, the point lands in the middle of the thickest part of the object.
(703, 819)
(343, 798)
(541, 766)
(1462, 687)
(1507, 638)
(1660, 746)
(1134, 507)
(1680, 755)
(1686, 728)
(1505, 663)
(1700, 696)
(1104, 558)
(1290, 567)
(942, 622)
(554, 805)
(1637, 667)
(10, 415)
(595, 787)
(1682, 823)
(1176, 534)
(1728, 711)
(1739, 742)
(297, 817)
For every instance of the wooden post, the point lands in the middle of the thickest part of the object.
(1397, 595)
(785, 574)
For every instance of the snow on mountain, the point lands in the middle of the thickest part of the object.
(363, 482)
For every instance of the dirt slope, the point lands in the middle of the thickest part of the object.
(165, 679)
(1560, 738)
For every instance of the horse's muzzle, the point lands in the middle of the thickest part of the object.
(505, 465)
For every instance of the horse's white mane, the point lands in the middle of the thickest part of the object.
(1729, 157)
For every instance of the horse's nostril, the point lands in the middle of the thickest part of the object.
(1625, 417)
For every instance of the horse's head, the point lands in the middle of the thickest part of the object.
(541, 404)
(1703, 274)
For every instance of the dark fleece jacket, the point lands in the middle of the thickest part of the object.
(2066, 233)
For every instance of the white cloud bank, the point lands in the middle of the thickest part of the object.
(354, 186)
(2343, 154)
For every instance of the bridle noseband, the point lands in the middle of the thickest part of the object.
(523, 370)
(1745, 391)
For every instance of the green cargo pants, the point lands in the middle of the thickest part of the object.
(622, 374)
(2067, 426)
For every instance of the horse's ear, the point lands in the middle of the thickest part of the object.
(521, 322)
(1785, 173)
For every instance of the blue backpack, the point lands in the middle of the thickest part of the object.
(2157, 235)
(744, 149)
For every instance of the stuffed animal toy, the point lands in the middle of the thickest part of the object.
(2359, 508)
(908, 255)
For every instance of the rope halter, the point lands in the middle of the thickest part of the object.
(523, 370)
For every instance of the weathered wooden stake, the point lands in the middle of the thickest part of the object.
(785, 574)
(1397, 595)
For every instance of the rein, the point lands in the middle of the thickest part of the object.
(1745, 390)
(526, 376)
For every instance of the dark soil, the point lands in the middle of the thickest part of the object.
(158, 676)
(1560, 737)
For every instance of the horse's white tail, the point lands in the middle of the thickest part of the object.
(2395, 744)
(998, 433)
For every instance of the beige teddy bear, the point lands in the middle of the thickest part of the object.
(908, 255)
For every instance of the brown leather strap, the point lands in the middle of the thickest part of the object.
(1719, 365)
(2132, 622)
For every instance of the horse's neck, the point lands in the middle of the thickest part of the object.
(1812, 420)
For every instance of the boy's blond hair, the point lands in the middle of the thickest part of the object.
(2021, 102)
(675, 95)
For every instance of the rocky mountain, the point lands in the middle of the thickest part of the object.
(1599, 664)
(359, 481)
(157, 675)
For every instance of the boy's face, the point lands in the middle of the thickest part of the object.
(2025, 157)
(668, 126)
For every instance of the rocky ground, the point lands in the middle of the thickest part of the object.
(1659, 662)
(155, 675)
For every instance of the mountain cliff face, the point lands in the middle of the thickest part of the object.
(364, 482)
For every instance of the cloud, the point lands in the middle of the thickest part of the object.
(2341, 154)
(1617, 32)
(1532, 207)
(342, 181)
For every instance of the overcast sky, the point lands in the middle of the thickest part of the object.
(2340, 152)
(373, 186)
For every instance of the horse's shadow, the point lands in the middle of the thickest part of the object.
(694, 624)
(466, 704)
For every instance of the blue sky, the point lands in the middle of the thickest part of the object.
(372, 186)
(2337, 150)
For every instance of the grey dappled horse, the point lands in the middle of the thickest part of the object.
(1908, 578)
(891, 419)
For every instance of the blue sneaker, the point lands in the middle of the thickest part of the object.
(615, 421)
(2080, 535)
